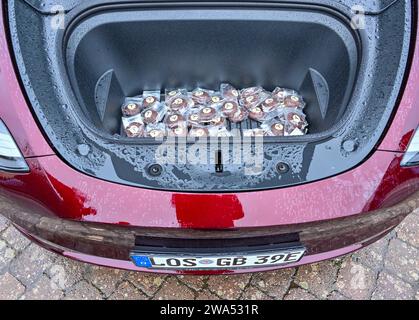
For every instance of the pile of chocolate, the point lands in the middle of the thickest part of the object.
(207, 113)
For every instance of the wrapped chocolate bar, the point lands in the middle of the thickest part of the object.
(156, 130)
(281, 93)
(180, 131)
(174, 120)
(201, 96)
(229, 107)
(216, 100)
(131, 106)
(253, 100)
(274, 128)
(153, 114)
(193, 118)
(257, 114)
(206, 113)
(198, 132)
(239, 116)
(215, 128)
(133, 126)
(294, 101)
(272, 108)
(170, 94)
(180, 104)
(289, 98)
(217, 121)
(134, 129)
(295, 123)
(228, 92)
(271, 103)
(150, 98)
(176, 125)
(244, 93)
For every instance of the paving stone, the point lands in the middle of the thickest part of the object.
(15, 239)
(391, 288)
(6, 255)
(10, 287)
(228, 287)
(65, 272)
(403, 260)
(318, 278)
(274, 283)
(31, 263)
(335, 295)
(44, 289)
(194, 282)
(4, 223)
(254, 293)
(206, 295)
(83, 291)
(355, 281)
(146, 282)
(408, 230)
(299, 294)
(372, 256)
(172, 289)
(105, 279)
(127, 291)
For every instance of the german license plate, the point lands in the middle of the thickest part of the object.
(228, 261)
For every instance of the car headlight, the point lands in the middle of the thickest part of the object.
(411, 157)
(11, 158)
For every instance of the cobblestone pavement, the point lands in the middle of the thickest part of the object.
(388, 269)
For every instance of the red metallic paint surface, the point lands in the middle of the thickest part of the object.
(406, 119)
(72, 195)
(14, 110)
(69, 194)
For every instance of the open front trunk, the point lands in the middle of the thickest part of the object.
(79, 77)
(111, 55)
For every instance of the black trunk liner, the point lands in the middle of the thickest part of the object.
(70, 117)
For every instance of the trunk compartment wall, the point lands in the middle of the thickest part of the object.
(41, 62)
(157, 49)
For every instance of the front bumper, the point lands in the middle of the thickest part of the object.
(97, 221)
(110, 245)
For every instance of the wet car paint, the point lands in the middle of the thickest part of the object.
(111, 244)
(406, 119)
(115, 159)
(71, 195)
(14, 110)
(61, 191)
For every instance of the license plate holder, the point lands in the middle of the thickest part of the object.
(208, 261)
